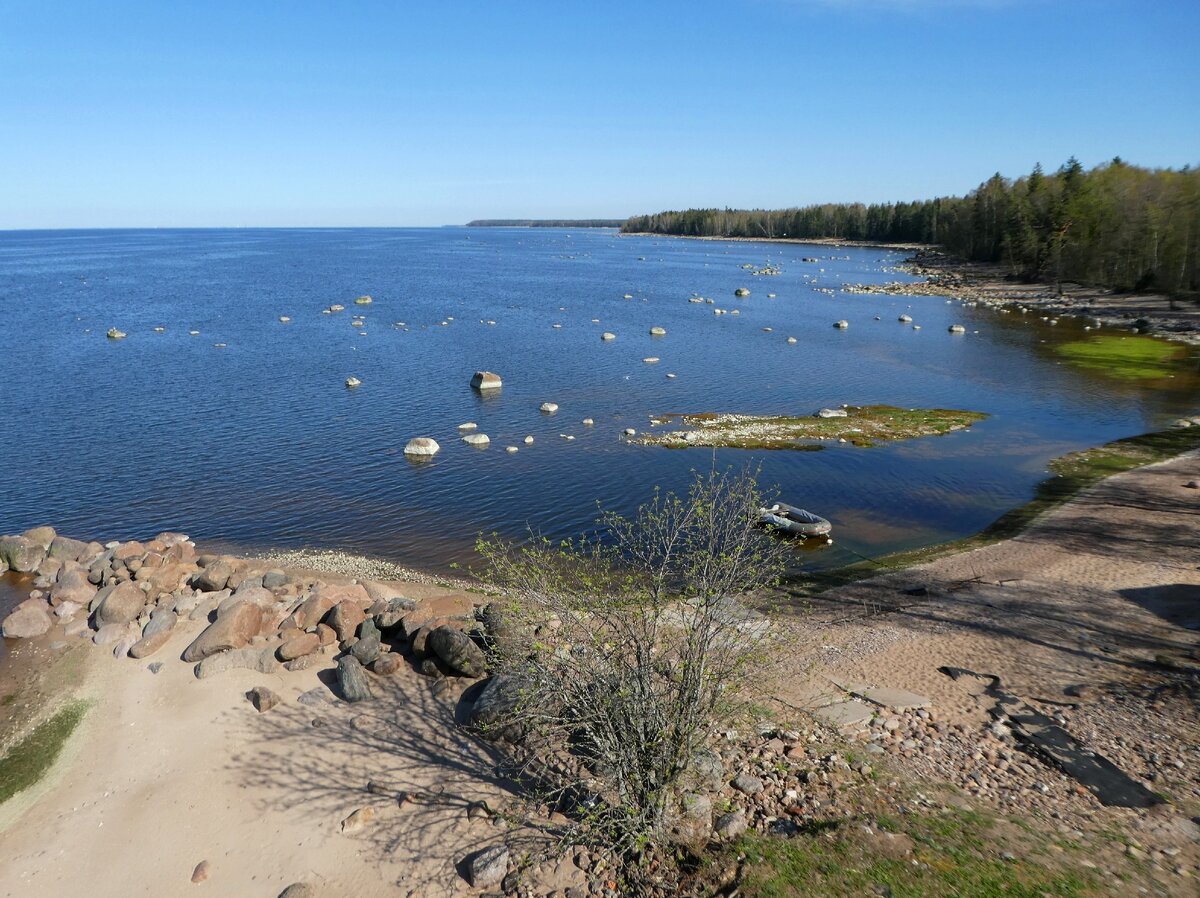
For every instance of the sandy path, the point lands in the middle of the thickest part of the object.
(168, 771)
(1090, 594)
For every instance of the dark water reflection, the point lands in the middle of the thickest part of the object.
(260, 443)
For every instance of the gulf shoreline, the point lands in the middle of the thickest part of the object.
(990, 284)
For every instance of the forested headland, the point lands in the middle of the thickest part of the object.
(1116, 225)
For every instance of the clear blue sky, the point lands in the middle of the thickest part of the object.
(249, 113)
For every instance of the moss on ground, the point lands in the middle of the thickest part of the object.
(1128, 357)
(1069, 476)
(29, 759)
(862, 426)
(955, 854)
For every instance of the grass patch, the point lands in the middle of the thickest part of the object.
(1069, 476)
(29, 759)
(956, 854)
(862, 426)
(1126, 357)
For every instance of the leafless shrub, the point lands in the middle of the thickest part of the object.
(622, 653)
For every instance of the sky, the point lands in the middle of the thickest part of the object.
(305, 113)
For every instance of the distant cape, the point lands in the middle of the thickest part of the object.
(546, 223)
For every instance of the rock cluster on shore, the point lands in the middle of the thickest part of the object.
(136, 595)
(980, 284)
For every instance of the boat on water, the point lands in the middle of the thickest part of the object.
(791, 519)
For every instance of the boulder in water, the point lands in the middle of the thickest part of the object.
(422, 446)
(486, 380)
(21, 553)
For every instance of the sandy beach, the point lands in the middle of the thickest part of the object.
(168, 771)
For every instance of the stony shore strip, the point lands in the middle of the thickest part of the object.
(990, 285)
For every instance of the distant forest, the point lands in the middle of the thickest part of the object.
(1117, 225)
(545, 223)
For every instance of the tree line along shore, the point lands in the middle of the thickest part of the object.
(1117, 226)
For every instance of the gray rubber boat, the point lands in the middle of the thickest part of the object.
(793, 520)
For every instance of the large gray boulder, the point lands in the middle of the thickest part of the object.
(706, 771)
(42, 536)
(233, 629)
(385, 591)
(30, 618)
(353, 680)
(345, 619)
(261, 660)
(66, 549)
(72, 586)
(22, 554)
(156, 634)
(494, 712)
(486, 380)
(322, 600)
(119, 604)
(110, 633)
(298, 646)
(487, 868)
(214, 576)
(390, 614)
(47, 572)
(691, 822)
(422, 446)
(457, 651)
(367, 651)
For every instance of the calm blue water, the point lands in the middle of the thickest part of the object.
(260, 443)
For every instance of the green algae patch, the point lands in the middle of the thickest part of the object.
(919, 856)
(864, 425)
(29, 759)
(1127, 357)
